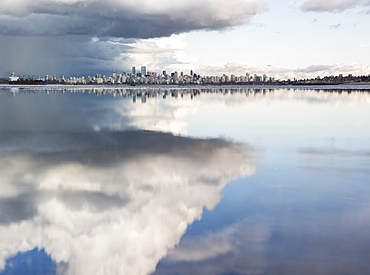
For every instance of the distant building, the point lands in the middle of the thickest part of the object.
(114, 76)
(143, 70)
(133, 71)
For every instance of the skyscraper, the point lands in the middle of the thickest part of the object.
(134, 71)
(143, 70)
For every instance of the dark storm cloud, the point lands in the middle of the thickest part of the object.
(70, 54)
(73, 38)
(126, 19)
(332, 5)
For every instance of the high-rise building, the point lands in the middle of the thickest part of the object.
(114, 76)
(143, 70)
(164, 73)
(133, 71)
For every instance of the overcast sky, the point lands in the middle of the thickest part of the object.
(285, 39)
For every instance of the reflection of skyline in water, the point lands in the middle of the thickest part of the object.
(110, 203)
(141, 93)
(156, 109)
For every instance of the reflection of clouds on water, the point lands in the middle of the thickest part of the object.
(84, 112)
(347, 162)
(110, 202)
(39, 113)
(320, 152)
(172, 114)
(271, 95)
(240, 247)
(167, 115)
(305, 241)
(214, 244)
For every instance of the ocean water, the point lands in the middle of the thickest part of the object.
(184, 180)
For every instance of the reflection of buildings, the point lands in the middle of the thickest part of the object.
(143, 98)
(176, 92)
(95, 211)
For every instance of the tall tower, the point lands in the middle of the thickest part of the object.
(143, 70)
(133, 71)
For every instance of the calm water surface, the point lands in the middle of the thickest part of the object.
(184, 181)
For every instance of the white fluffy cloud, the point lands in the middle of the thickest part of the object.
(333, 5)
(288, 73)
(115, 203)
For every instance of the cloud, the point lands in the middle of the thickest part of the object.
(71, 55)
(335, 26)
(89, 37)
(76, 55)
(110, 202)
(332, 5)
(315, 68)
(311, 71)
(334, 69)
(122, 18)
(158, 54)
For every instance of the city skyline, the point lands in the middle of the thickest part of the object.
(145, 77)
(297, 39)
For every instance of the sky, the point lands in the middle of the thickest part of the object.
(284, 39)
